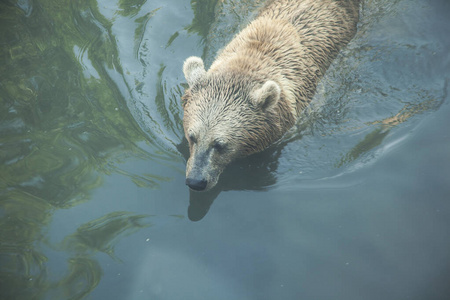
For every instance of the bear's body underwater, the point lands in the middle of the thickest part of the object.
(260, 82)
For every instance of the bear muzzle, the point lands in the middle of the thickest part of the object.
(196, 175)
(202, 171)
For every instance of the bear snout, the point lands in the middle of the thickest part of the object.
(199, 172)
(196, 184)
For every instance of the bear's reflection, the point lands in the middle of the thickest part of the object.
(255, 172)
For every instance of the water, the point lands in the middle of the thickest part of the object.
(352, 204)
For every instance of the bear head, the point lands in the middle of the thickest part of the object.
(227, 115)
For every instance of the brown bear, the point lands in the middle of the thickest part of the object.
(260, 82)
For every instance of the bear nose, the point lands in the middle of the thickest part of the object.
(197, 185)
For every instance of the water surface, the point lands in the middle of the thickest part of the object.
(352, 204)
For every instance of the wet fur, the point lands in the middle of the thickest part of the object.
(261, 81)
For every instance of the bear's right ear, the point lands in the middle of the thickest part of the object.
(194, 70)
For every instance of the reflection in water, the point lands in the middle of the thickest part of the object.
(23, 272)
(83, 276)
(63, 124)
(204, 16)
(140, 29)
(103, 233)
(130, 7)
(376, 137)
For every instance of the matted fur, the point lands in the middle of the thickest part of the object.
(261, 81)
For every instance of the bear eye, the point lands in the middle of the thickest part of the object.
(192, 138)
(219, 146)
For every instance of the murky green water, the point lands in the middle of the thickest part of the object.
(353, 204)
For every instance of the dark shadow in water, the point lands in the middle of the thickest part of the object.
(256, 172)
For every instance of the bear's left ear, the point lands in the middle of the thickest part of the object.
(267, 96)
(194, 70)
